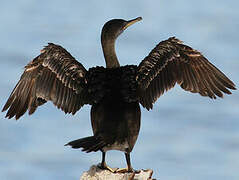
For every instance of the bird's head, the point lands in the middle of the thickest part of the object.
(113, 28)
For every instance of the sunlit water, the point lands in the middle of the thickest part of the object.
(185, 136)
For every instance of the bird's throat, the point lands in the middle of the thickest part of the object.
(108, 46)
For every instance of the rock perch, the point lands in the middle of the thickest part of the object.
(95, 173)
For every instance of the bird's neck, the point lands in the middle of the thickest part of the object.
(108, 46)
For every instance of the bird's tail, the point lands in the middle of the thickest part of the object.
(89, 144)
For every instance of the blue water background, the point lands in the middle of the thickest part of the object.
(185, 136)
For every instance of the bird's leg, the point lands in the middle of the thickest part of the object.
(129, 167)
(103, 164)
(127, 157)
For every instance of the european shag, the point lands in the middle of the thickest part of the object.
(115, 92)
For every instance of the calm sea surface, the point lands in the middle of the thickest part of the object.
(185, 136)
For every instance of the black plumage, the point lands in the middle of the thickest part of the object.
(114, 92)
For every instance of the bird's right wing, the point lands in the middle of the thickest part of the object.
(172, 62)
(54, 76)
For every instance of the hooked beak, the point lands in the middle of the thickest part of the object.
(130, 22)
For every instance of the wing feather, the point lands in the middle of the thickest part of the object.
(172, 62)
(54, 76)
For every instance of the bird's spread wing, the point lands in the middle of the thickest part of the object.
(53, 75)
(172, 62)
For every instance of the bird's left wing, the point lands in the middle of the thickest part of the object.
(54, 76)
(172, 62)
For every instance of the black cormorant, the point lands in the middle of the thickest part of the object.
(114, 92)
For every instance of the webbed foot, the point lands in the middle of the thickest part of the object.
(104, 166)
